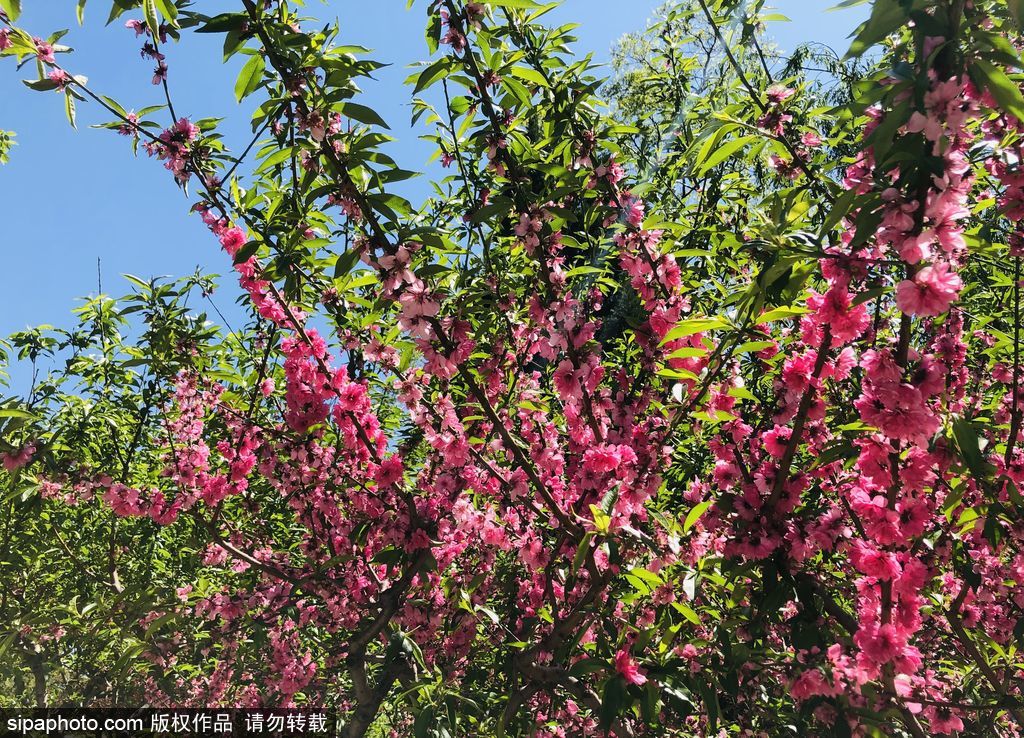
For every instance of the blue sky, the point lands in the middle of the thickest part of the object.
(69, 197)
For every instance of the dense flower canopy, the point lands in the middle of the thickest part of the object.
(694, 413)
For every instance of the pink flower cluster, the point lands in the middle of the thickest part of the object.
(172, 147)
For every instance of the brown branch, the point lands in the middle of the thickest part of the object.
(782, 475)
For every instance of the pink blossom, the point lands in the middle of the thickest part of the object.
(233, 239)
(60, 78)
(931, 291)
(390, 471)
(124, 501)
(928, 125)
(602, 459)
(811, 683)
(14, 460)
(880, 643)
(130, 128)
(810, 139)
(627, 666)
(873, 562)
(160, 72)
(944, 721)
(44, 51)
(779, 93)
(136, 25)
(160, 511)
(566, 382)
(836, 309)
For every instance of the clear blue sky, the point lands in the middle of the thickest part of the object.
(69, 196)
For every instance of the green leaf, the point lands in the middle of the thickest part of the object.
(250, 77)
(581, 552)
(12, 8)
(614, 701)
(489, 211)
(363, 114)
(69, 108)
(530, 75)
(678, 374)
(40, 85)
(15, 412)
(1006, 92)
(840, 208)
(694, 515)
(433, 32)
(152, 17)
(389, 555)
(970, 449)
(344, 263)
(648, 576)
(159, 622)
(687, 612)
(277, 157)
(247, 251)
(886, 17)
(492, 616)
(1017, 10)
(781, 313)
(689, 327)
(886, 135)
(117, 9)
(1002, 51)
(223, 23)
(425, 721)
(398, 175)
(687, 352)
(583, 667)
(138, 282)
(9, 639)
(722, 153)
(432, 74)
(168, 9)
(80, 11)
(517, 89)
